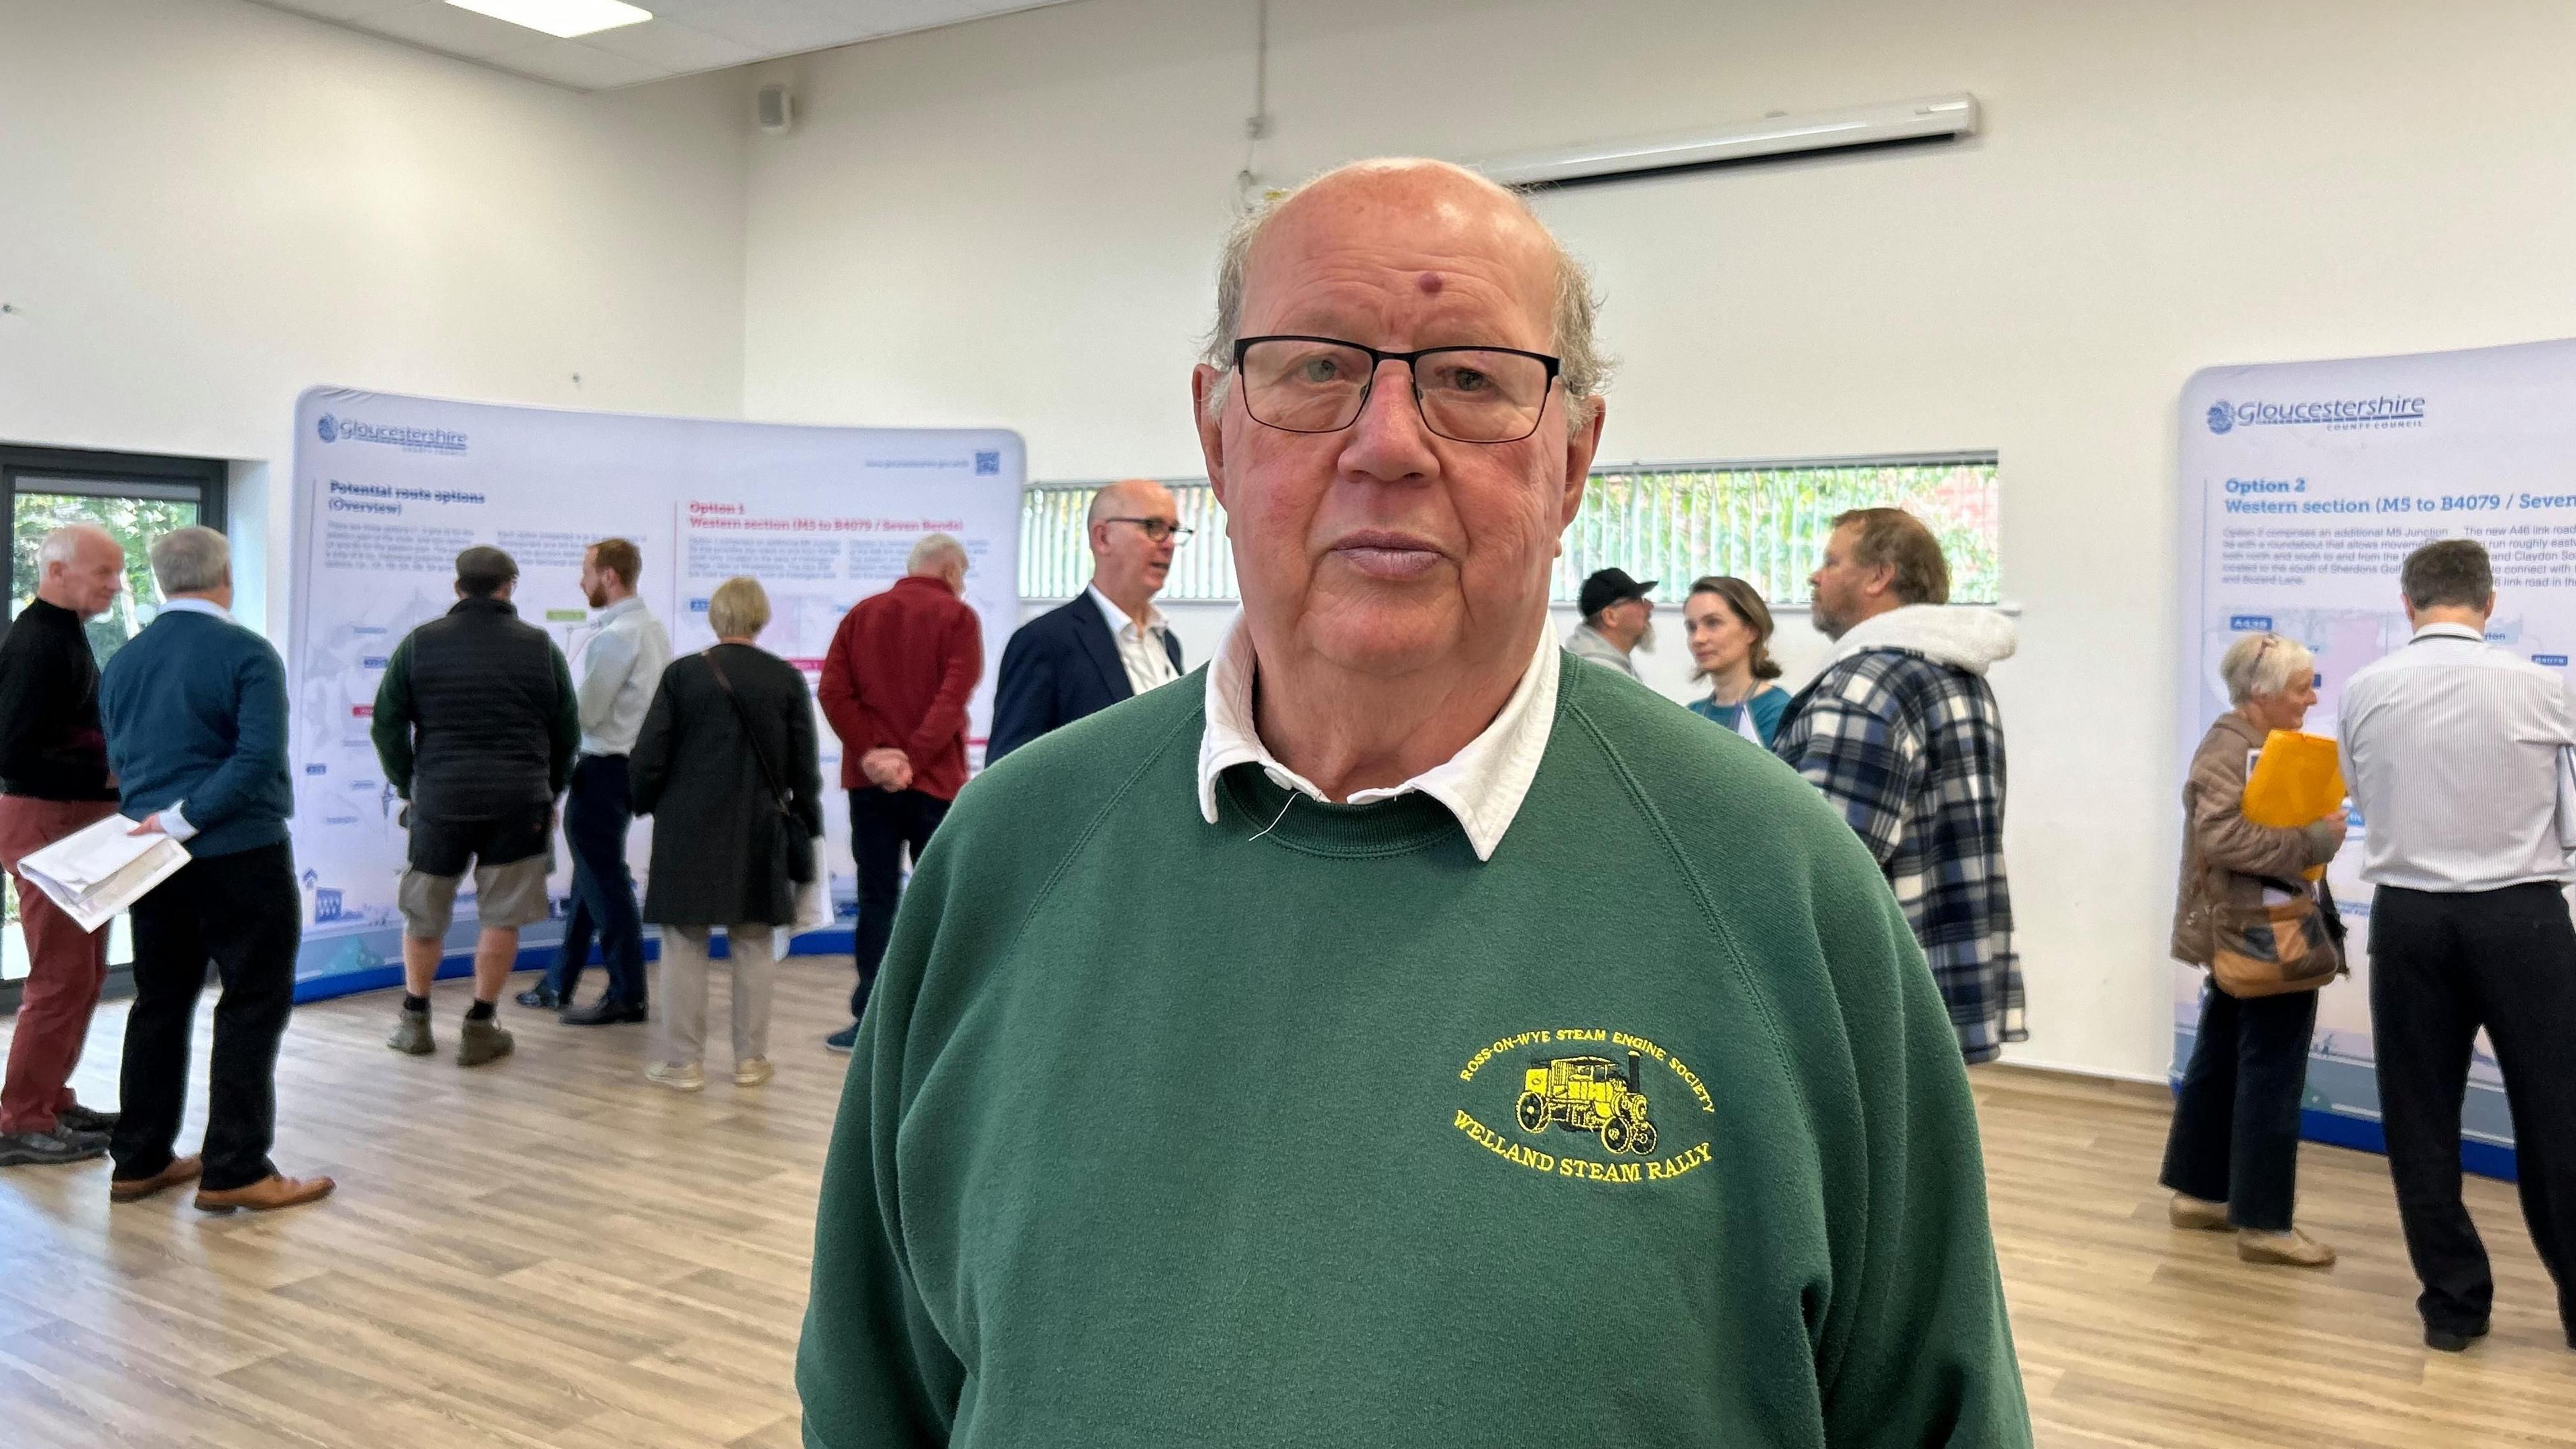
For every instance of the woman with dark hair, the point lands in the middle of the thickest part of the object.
(1730, 636)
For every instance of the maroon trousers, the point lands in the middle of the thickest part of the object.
(66, 967)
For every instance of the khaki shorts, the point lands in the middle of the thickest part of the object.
(510, 892)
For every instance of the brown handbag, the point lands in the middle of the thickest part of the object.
(2272, 949)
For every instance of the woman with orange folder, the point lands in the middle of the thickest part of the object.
(2247, 911)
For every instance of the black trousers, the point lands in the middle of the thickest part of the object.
(883, 823)
(598, 811)
(243, 913)
(2441, 966)
(2235, 1135)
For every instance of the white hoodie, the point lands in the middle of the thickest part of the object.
(1963, 638)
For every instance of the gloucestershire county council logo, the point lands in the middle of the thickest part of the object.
(329, 428)
(1581, 1113)
(2221, 417)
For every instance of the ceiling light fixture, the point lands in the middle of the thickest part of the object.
(563, 19)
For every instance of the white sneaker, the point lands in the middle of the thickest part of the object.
(678, 1076)
(753, 1072)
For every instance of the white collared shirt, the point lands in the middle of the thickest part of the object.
(619, 672)
(1141, 650)
(1483, 784)
(2452, 745)
(173, 822)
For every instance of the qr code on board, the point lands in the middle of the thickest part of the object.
(988, 464)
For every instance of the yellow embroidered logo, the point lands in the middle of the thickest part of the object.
(1564, 1082)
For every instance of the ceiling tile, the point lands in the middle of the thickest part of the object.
(573, 63)
(338, 9)
(441, 26)
(672, 46)
(776, 27)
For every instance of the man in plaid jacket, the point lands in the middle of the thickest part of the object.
(1902, 734)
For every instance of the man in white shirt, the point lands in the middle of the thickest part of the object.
(2453, 746)
(619, 672)
(1110, 643)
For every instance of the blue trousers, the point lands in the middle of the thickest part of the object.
(2235, 1136)
(597, 813)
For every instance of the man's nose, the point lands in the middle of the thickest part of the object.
(1389, 437)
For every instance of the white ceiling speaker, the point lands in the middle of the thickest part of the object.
(777, 109)
(1935, 118)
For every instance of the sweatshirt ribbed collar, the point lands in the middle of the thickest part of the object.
(1483, 784)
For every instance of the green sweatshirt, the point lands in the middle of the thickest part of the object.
(1648, 1131)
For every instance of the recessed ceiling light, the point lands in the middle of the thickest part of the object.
(563, 18)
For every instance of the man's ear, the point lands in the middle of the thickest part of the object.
(1204, 381)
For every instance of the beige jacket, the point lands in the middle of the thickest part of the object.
(2224, 855)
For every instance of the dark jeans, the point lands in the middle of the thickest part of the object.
(2441, 966)
(2235, 1136)
(244, 913)
(597, 812)
(882, 824)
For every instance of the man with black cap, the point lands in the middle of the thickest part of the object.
(1618, 616)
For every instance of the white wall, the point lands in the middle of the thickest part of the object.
(207, 206)
(1014, 222)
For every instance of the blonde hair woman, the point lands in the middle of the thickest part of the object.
(725, 765)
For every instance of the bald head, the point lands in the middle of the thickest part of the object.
(1440, 208)
(81, 567)
(1128, 563)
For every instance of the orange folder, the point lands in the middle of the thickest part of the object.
(2296, 782)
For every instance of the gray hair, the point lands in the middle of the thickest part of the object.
(2264, 664)
(739, 609)
(934, 554)
(62, 546)
(1586, 369)
(191, 561)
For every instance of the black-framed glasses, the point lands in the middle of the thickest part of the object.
(1156, 529)
(1466, 394)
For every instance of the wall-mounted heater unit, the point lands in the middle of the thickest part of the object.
(1938, 118)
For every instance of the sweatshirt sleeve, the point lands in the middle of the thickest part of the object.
(258, 757)
(961, 658)
(564, 734)
(873, 1369)
(1915, 1348)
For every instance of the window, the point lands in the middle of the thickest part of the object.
(136, 499)
(1762, 522)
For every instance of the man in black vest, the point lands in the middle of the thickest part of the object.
(476, 723)
(1110, 643)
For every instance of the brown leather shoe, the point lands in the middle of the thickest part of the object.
(136, 1189)
(269, 1193)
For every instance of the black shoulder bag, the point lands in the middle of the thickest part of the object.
(800, 846)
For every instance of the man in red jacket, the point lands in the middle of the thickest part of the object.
(895, 685)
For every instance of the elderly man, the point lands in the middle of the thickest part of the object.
(1330, 1138)
(1902, 734)
(896, 681)
(54, 780)
(196, 726)
(1618, 618)
(1107, 645)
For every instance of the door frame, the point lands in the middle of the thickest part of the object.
(85, 466)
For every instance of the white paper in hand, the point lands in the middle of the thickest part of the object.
(96, 872)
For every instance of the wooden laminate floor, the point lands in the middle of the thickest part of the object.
(551, 1253)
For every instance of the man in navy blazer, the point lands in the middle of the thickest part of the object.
(1110, 643)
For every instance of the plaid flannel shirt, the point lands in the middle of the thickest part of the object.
(1911, 752)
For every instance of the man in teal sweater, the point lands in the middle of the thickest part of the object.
(195, 710)
(1383, 1118)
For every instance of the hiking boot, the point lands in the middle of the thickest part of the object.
(266, 1195)
(411, 1034)
(678, 1076)
(753, 1072)
(2197, 1214)
(77, 1118)
(136, 1189)
(2293, 1249)
(483, 1041)
(46, 1149)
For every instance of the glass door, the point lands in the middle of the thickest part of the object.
(136, 499)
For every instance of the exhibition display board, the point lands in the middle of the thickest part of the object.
(389, 489)
(2303, 487)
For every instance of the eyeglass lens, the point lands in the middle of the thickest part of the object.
(1470, 394)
